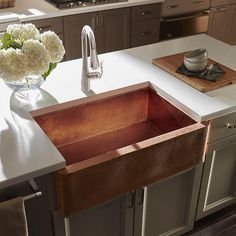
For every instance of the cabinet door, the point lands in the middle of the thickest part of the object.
(38, 212)
(232, 28)
(169, 206)
(113, 218)
(218, 188)
(145, 32)
(219, 22)
(53, 24)
(72, 33)
(115, 25)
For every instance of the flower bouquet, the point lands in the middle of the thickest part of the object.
(25, 53)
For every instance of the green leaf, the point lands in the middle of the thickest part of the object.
(15, 45)
(6, 39)
(8, 42)
(51, 67)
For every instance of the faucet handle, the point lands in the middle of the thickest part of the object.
(96, 73)
(101, 68)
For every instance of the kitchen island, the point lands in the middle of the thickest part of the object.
(26, 152)
(121, 69)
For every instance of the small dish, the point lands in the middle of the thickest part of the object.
(198, 55)
(195, 66)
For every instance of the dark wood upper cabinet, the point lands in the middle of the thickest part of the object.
(111, 29)
(72, 33)
(53, 24)
(115, 25)
(222, 20)
(232, 28)
(145, 24)
(219, 22)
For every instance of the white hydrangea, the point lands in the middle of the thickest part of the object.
(37, 57)
(34, 54)
(54, 46)
(12, 64)
(23, 31)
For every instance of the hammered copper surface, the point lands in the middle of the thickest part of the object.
(118, 141)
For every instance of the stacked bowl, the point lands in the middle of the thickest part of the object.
(196, 60)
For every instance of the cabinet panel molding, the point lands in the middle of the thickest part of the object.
(170, 206)
(218, 188)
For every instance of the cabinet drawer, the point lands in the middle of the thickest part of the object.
(215, 3)
(222, 127)
(54, 24)
(145, 12)
(178, 7)
(145, 32)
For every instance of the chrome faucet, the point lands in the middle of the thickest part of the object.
(91, 67)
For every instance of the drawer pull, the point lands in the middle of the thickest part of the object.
(197, 2)
(131, 199)
(145, 33)
(220, 9)
(146, 13)
(172, 6)
(230, 126)
(44, 28)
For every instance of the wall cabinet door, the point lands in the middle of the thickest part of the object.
(145, 24)
(72, 33)
(219, 22)
(111, 29)
(232, 28)
(169, 206)
(53, 24)
(218, 188)
(115, 25)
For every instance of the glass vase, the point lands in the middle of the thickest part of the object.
(27, 89)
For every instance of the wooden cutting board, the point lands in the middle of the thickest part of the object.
(171, 63)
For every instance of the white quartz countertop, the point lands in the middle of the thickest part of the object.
(26, 10)
(26, 152)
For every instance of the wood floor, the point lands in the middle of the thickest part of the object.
(223, 226)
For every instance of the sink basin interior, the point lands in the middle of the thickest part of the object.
(88, 127)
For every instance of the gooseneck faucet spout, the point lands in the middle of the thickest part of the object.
(91, 67)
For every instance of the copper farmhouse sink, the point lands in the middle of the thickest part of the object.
(118, 141)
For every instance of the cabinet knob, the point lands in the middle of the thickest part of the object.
(44, 28)
(230, 125)
(146, 12)
(142, 34)
(172, 6)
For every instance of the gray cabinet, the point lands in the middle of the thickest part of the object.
(170, 206)
(111, 29)
(222, 21)
(218, 188)
(38, 212)
(164, 208)
(114, 217)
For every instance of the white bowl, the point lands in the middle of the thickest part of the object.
(198, 55)
(195, 66)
